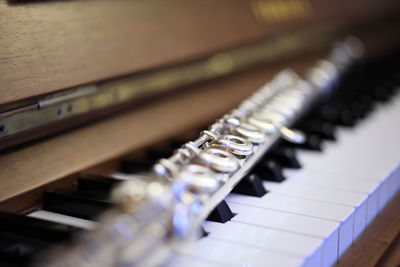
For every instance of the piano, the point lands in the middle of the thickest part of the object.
(93, 93)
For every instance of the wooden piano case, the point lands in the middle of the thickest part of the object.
(145, 71)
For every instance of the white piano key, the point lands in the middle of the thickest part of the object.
(302, 246)
(339, 182)
(125, 176)
(373, 204)
(394, 180)
(389, 187)
(317, 192)
(343, 182)
(271, 200)
(65, 219)
(181, 260)
(355, 163)
(339, 213)
(327, 230)
(377, 198)
(228, 253)
(329, 195)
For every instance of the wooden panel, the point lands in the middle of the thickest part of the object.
(392, 255)
(51, 45)
(25, 168)
(57, 44)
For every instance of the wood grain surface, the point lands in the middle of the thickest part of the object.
(30, 166)
(53, 45)
(47, 46)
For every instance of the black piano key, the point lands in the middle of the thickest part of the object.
(136, 166)
(381, 93)
(323, 129)
(357, 95)
(203, 233)
(19, 245)
(19, 250)
(286, 156)
(355, 106)
(96, 184)
(390, 85)
(176, 143)
(337, 115)
(364, 98)
(36, 228)
(159, 153)
(6, 262)
(270, 170)
(250, 185)
(396, 81)
(222, 213)
(76, 204)
(312, 142)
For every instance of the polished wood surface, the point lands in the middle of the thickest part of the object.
(53, 45)
(47, 46)
(30, 166)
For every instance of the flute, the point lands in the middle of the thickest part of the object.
(162, 213)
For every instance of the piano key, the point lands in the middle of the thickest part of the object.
(135, 165)
(126, 176)
(347, 182)
(294, 223)
(312, 142)
(203, 232)
(359, 145)
(18, 245)
(366, 100)
(96, 184)
(336, 115)
(325, 194)
(155, 154)
(19, 250)
(61, 218)
(382, 93)
(353, 157)
(374, 175)
(332, 212)
(354, 105)
(222, 213)
(299, 245)
(76, 204)
(181, 260)
(228, 253)
(36, 228)
(251, 185)
(286, 156)
(7, 262)
(341, 182)
(269, 169)
(319, 127)
(356, 154)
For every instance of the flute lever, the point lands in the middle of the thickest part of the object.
(293, 136)
(290, 135)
